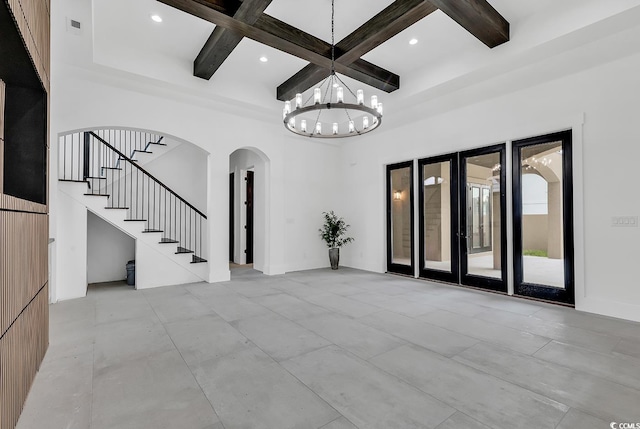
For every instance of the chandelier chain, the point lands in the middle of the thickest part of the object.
(333, 41)
(306, 111)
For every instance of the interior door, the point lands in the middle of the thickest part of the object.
(438, 199)
(400, 218)
(543, 218)
(249, 218)
(482, 241)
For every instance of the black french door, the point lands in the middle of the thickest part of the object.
(482, 190)
(543, 218)
(462, 211)
(438, 223)
(400, 253)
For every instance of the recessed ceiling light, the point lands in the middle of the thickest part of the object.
(413, 41)
(264, 59)
(156, 18)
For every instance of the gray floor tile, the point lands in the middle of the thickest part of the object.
(337, 288)
(291, 307)
(343, 305)
(460, 420)
(618, 368)
(361, 340)
(557, 331)
(578, 419)
(505, 303)
(205, 338)
(249, 390)
(179, 307)
(130, 339)
(471, 391)
(340, 423)
(61, 398)
(280, 338)
(577, 389)
(155, 392)
(454, 305)
(234, 307)
(368, 397)
(70, 338)
(395, 304)
(250, 289)
(629, 347)
(74, 310)
(524, 342)
(112, 346)
(133, 305)
(208, 289)
(593, 322)
(443, 341)
(298, 289)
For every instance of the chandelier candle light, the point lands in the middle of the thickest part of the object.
(329, 115)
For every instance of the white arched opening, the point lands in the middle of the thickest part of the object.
(245, 162)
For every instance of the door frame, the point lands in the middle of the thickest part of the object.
(566, 295)
(498, 285)
(454, 275)
(392, 267)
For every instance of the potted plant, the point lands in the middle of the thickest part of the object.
(332, 232)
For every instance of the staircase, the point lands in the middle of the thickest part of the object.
(107, 178)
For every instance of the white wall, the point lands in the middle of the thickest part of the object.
(108, 251)
(184, 170)
(599, 104)
(70, 272)
(592, 89)
(85, 95)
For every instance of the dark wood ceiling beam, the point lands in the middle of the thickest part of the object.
(279, 35)
(222, 41)
(386, 24)
(479, 18)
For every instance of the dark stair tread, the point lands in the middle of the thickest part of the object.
(152, 230)
(159, 144)
(142, 151)
(197, 259)
(127, 159)
(135, 220)
(168, 241)
(72, 181)
(183, 250)
(117, 208)
(96, 177)
(99, 195)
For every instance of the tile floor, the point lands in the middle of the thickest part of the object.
(332, 350)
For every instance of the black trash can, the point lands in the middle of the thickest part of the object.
(131, 273)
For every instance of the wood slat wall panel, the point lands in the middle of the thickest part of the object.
(8, 202)
(33, 20)
(22, 349)
(2, 96)
(24, 232)
(24, 261)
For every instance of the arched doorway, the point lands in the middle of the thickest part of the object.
(248, 208)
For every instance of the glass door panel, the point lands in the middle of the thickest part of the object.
(482, 228)
(543, 236)
(400, 218)
(439, 218)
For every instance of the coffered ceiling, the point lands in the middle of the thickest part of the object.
(447, 51)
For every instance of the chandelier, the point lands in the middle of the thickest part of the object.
(326, 113)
